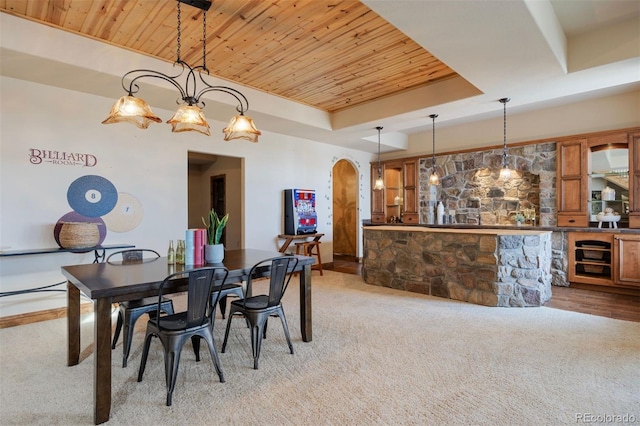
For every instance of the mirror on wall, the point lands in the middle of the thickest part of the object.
(609, 182)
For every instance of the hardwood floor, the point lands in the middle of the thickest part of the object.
(587, 301)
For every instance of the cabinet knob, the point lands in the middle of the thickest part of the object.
(571, 220)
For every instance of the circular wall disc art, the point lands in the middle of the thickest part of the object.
(92, 196)
(126, 215)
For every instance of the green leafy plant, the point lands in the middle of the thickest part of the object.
(215, 227)
(519, 217)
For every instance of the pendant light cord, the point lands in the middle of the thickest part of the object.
(504, 119)
(379, 167)
(433, 139)
(179, 32)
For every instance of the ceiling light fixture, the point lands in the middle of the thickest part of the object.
(379, 184)
(505, 173)
(189, 117)
(434, 179)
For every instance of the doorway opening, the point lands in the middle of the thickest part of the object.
(218, 199)
(215, 181)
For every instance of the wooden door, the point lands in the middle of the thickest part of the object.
(345, 208)
(626, 259)
(572, 183)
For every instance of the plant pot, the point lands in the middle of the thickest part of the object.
(214, 253)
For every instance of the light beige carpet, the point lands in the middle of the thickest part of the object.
(378, 357)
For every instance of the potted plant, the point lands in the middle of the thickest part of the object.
(519, 219)
(213, 250)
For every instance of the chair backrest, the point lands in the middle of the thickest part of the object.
(133, 255)
(201, 282)
(280, 270)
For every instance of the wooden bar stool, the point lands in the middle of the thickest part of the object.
(311, 248)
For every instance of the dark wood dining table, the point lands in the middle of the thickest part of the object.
(108, 283)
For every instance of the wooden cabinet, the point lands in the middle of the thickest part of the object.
(590, 258)
(604, 258)
(626, 260)
(410, 170)
(399, 198)
(572, 183)
(634, 180)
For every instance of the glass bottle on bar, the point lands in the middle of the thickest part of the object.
(180, 253)
(171, 254)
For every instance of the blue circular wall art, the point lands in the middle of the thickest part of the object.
(92, 196)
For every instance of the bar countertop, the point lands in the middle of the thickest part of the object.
(461, 226)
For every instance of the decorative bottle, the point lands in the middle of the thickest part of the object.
(180, 253)
(171, 254)
(440, 213)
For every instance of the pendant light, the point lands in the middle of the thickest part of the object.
(434, 179)
(189, 117)
(505, 172)
(379, 181)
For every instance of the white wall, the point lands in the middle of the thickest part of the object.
(607, 113)
(149, 164)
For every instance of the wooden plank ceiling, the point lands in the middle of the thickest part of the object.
(328, 54)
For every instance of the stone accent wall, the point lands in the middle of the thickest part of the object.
(470, 185)
(485, 269)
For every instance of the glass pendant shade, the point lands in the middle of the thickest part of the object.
(129, 109)
(434, 179)
(241, 127)
(505, 172)
(379, 184)
(189, 118)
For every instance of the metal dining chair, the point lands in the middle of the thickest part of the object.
(257, 309)
(195, 323)
(131, 310)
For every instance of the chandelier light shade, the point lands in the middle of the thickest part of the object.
(132, 110)
(190, 116)
(379, 184)
(505, 172)
(241, 127)
(434, 179)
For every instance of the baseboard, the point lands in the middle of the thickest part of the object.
(49, 314)
(607, 289)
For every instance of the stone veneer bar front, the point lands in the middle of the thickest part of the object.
(490, 267)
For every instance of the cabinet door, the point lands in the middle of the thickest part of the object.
(634, 180)
(410, 169)
(572, 183)
(626, 258)
(377, 198)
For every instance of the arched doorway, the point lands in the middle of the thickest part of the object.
(345, 210)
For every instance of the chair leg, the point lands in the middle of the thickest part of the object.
(116, 335)
(171, 361)
(195, 341)
(256, 342)
(226, 333)
(223, 305)
(285, 327)
(145, 354)
(214, 355)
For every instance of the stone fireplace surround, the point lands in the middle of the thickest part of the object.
(470, 185)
